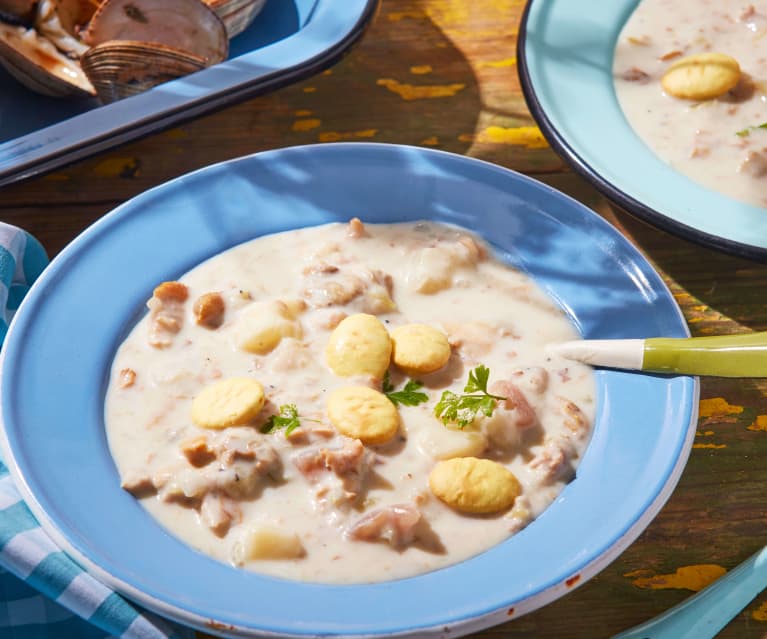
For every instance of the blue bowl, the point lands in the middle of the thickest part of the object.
(59, 349)
(565, 56)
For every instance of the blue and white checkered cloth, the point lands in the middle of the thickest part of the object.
(43, 593)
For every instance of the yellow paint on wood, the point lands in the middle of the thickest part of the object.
(528, 136)
(306, 125)
(56, 177)
(432, 140)
(693, 578)
(414, 92)
(117, 167)
(717, 406)
(704, 433)
(709, 445)
(421, 69)
(759, 424)
(498, 64)
(302, 113)
(335, 136)
(396, 16)
(176, 134)
(760, 614)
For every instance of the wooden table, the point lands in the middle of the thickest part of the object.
(442, 74)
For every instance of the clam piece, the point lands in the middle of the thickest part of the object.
(237, 15)
(48, 25)
(187, 25)
(18, 11)
(74, 15)
(38, 65)
(122, 68)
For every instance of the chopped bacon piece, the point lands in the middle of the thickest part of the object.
(139, 485)
(127, 377)
(670, 55)
(171, 292)
(395, 525)
(166, 313)
(575, 420)
(356, 228)
(197, 452)
(209, 310)
(635, 74)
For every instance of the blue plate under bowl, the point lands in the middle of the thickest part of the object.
(288, 41)
(60, 346)
(565, 56)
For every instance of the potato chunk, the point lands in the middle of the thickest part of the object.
(268, 542)
(445, 443)
(261, 326)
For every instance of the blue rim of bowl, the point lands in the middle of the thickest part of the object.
(570, 154)
(452, 624)
(151, 122)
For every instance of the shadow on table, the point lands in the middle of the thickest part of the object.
(726, 284)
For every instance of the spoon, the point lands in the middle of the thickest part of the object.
(703, 615)
(742, 355)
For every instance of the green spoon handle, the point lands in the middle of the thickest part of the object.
(743, 355)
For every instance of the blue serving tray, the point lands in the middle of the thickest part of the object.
(289, 40)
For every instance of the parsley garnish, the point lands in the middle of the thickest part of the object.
(747, 131)
(287, 419)
(408, 396)
(463, 409)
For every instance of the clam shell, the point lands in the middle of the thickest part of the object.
(75, 14)
(237, 15)
(188, 25)
(122, 68)
(38, 65)
(17, 10)
(48, 24)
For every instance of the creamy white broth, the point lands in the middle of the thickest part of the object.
(493, 315)
(699, 139)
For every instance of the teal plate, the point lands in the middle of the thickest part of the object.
(565, 54)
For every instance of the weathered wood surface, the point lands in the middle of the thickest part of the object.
(442, 74)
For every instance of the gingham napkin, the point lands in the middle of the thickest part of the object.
(73, 605)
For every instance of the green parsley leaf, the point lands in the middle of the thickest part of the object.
(747, 131)
(407, 396)
(477, 380)
(287, 419)
(461, 410)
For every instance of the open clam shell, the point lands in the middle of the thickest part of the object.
(38, 65)
(188, 25)
(236, 14)
(122, 68)
(17, 11)
(49, 25)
